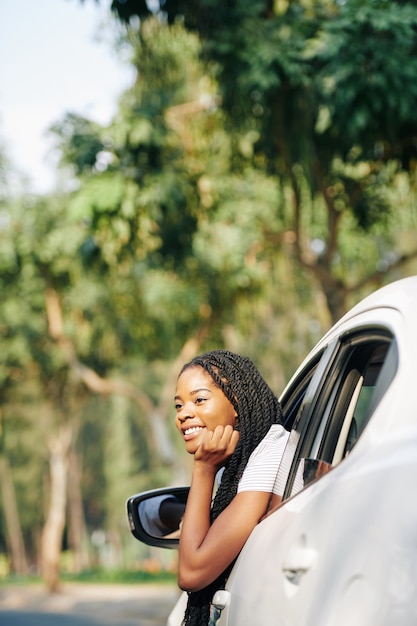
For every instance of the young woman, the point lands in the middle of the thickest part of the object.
(229, 419)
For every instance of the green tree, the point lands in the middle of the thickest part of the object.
(181, 235)
(174, 216)
(109, 288)
(170, 177)
(328, 90)
(14, 351)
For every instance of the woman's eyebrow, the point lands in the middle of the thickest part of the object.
(194, 392)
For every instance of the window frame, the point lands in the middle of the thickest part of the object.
(321, 419)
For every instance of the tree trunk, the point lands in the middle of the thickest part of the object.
(77, 533)
(161, 442)
(117, 471)
(13, 530)
(51, 542)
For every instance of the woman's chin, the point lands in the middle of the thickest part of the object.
(192, 444)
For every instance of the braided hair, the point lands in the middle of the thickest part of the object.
(257, 408)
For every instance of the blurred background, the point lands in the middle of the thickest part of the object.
(177, 177)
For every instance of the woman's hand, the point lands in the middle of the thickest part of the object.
(206, 550)
(217, 446)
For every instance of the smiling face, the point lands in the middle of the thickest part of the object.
(200, 404)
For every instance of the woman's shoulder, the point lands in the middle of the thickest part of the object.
(276, 432)
(260, 472)
(273, 442)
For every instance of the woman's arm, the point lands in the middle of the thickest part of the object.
(206, 551)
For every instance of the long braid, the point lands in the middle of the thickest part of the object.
(257, 408)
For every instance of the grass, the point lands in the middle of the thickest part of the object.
(122, 577)
(98, 577)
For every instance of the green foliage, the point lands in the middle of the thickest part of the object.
(168, 66)
(263, 159)
(79, 142)
(367, 77)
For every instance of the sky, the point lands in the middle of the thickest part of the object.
(55, 56)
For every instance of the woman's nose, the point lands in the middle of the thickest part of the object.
(186, 413)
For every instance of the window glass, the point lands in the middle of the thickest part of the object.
(296, 402)
(345, 399)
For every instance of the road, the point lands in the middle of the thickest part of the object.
(87, 605)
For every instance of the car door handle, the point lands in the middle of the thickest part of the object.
(297, 562)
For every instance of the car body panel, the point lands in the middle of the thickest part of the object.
(361, 550)
(343, 550)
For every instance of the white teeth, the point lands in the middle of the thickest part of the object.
(193, 429)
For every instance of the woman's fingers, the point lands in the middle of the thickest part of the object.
(225, 438)
(217, 445)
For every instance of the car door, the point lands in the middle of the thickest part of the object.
(327, 406)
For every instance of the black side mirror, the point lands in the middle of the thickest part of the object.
(155, 516)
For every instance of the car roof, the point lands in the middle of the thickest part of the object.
(399, 296)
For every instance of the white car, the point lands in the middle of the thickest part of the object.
(342, 551)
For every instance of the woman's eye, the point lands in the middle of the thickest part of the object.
(200, 400)
(177, 406)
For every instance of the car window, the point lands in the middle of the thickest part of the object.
(344, 400)
(296, 402)
(292, 401)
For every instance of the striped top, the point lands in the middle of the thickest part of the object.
(261, 472)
